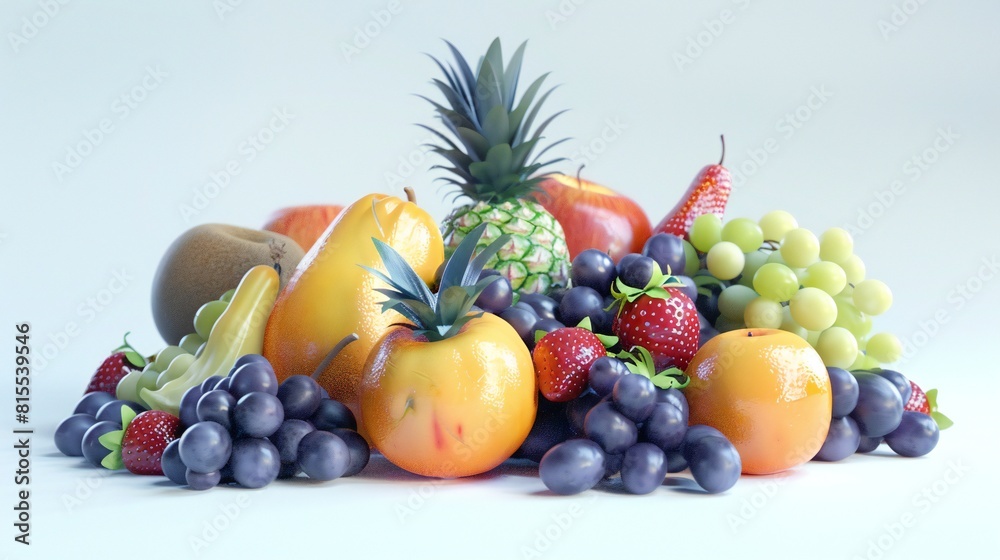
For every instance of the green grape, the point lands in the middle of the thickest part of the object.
(775, 257)
(207, 315)
(725, 260)
(872, 297)
(884, 347)
(165, 356)
(800, 275)
(752, 263)
(800, 248)
(745, 233)
(183, 362)
(812, 337)
(776, 223)
(813, 308)
(775, 282)
(789, 324)
(228, 296)
(836, 245)
(706, 231)
(851, 319)
(691, 261)
(191, 342)
(725, 324)
(854, 268)
(838, 347)
(826, 276)
(762, 313)
(733, 301)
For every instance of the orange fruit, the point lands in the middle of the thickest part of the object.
(768, 391)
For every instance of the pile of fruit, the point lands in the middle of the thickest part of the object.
(545, 320)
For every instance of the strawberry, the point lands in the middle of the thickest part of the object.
(139, 445)
(562, 361)
(926, 403)
(707, 194)
(116, 366)
(659, 318)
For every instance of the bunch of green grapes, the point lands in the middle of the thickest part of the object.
(774, 274)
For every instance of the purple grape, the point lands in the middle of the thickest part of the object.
(323, 456)
(580, 302)
(332, 414)
(707, 303)
(205, 447)
(210, 383)
(551, 428)
(189, 406)
(668, 252)
(288, 470)
(358, 448)
(665, 427)
(93, 451)
(706, 334)
(577, 409)
(899, 380)
(644, 468)
(604, 373)
(547, 326)
(92, 402)
(254, 462)
(572, 467)
(869, 444)
(880, 406)
(170, 462)
(841, 441)
(610, 429)
(257, 414)
(254, 377)
(916, 435)
(299, 396)
(497, 296)
(613, 464)
(675, 397)
(249, 359)
(112, 410)
(288, 436)
(634, 396)
(695, 433)
(689, 288)
(594, 269)
(523, 323)
(844, 389)
(216, 406)
(202, 481)
(715, 464)
(543, 306)
(675, 461)
(69, 434)
(223, 384)
(636, 272)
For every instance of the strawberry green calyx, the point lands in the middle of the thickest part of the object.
(438, 315)
(655, 288)
(608, 340)
(112, 441)
(640, 362)
(132, 355)
(942, 421)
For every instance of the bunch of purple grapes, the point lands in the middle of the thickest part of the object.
(868, 409)
(248, 430)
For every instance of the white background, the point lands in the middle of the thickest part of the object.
(892, 86)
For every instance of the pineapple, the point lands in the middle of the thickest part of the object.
(490, 156)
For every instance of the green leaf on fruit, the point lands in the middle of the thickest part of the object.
(608, 340)
(112, 441)
(113, 461)
(135, 359)
(127, 415)
(585, 323)
(671, 378)
(539, 334)
(942, 421)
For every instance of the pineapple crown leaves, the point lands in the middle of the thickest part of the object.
(437, 315)
(112, 441)
(640, 362)
(656, 287)
(492, 139)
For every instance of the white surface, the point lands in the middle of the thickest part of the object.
(63, 239)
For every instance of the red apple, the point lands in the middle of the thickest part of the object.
(594, 216)
(304, 224)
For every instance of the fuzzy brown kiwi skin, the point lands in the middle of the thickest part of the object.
(206, 261)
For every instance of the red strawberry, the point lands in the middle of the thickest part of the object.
(927, 404)
(659, 318)
(139, 445)
(562, 362)
(123, 360)
(708, 194)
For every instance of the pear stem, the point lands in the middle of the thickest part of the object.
(410, 195)
(723, 138)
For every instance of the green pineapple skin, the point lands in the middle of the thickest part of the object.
(536, 260)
